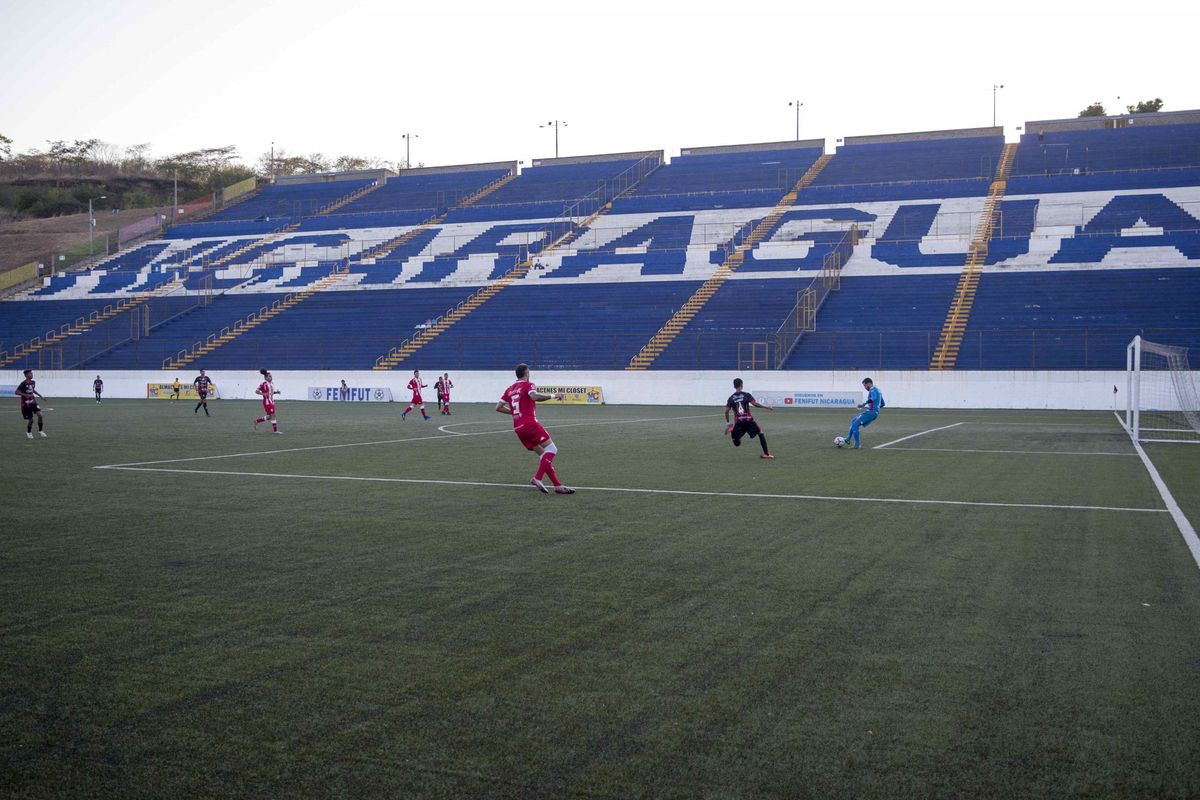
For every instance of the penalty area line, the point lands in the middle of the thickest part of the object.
(1009, 452)
(634, 490)
(915, 435)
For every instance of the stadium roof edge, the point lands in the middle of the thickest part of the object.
(330, 177)
(550, 162)
(1096, 123)
(924, 136)
(791, 144)
(509, 165)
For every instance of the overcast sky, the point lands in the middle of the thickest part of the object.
(474, 80)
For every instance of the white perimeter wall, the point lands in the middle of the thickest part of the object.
(915, 389)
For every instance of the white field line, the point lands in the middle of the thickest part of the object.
(915, 435)
(1056, 424)
(1013, 452)
(391, 441)
(631, 490)
(1181, 521)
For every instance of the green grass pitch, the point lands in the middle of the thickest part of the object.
(415, 621)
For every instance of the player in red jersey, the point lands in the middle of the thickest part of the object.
(416, 385)
(444, 385)
(520, 400)
(268, 391)
(29, 405)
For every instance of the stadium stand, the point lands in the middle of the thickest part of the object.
(561, 187)
(1070, 266)
(745, 176)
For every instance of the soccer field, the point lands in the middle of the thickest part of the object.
(994, 604)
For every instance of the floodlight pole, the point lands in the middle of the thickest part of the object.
(797, 104)
(92, 220)
(408, 137)
(554, 124)
(995, 88)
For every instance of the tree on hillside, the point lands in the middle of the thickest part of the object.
(199, 163)
(1146, 106)
(136, 159)
(1096, 109)
(349, 163)
(64, 157)
(281, 163)
(5, 147)
(209, 166)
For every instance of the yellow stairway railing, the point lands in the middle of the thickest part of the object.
(83, 324)
(945, 355)
(266, 313)
(252, 321)
(679, 320)
(398, 354)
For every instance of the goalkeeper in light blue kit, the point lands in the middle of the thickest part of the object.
(873, 405)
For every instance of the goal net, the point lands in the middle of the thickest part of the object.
(1162, 402)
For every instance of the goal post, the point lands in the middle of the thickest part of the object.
(1162, 403)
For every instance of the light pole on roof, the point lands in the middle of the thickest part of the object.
(797, 104)
(995, 88)
(92, 219)
(556, 124)
(408, 137)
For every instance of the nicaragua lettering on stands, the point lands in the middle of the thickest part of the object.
(574, 395)
(809, 399)
(353, 394)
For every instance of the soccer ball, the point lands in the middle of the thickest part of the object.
(838, 441)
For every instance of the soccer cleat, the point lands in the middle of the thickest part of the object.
(277, 433)
(857, 446)
(541, 487)
(767, 455)
(563, 490)
(404, 416)
(427, 417)
(28, 434)
(42, 434)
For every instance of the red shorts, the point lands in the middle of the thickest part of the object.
(417, 401)
(269, 409)
(532, 435)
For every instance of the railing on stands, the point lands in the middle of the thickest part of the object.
(52, 346)
(871, 351)
(266, 312)
(524, 260)
(803, 317)
(143, 321)
(605, 192)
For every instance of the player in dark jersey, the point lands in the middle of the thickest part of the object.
(202, 384)
(98, 387)
(29, 394)
(743, 421)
